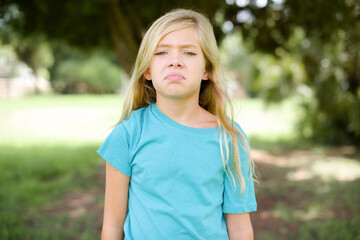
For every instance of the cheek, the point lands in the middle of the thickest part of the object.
(199, 63)
(154, 66)
(157, 86)
(199, 68)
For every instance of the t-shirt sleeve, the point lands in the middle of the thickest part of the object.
(234, 200)
(115, 150)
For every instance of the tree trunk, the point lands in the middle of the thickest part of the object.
(122, 34)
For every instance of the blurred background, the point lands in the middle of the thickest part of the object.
(293, 68)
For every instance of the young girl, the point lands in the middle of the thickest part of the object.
(177, 166)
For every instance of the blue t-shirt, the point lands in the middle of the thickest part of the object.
(178, 186)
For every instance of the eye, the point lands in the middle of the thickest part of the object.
(190, 53)
(160, 53)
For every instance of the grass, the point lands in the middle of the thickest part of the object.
(36, 175)
(50, 186)
(47, 149)
(308, 195)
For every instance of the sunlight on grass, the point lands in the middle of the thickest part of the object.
(50, 120)
(268, 121)
(53, 119)
(328, 169)
(341, 169)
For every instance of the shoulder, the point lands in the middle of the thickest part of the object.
(133, 126)
(135, 119)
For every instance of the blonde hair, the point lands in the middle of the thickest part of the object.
(213, 94)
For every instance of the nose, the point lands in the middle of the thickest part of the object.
(175, 61)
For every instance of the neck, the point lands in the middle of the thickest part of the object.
(180, 110)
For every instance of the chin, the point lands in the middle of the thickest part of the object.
(175, 96)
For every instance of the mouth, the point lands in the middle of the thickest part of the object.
(174, 76)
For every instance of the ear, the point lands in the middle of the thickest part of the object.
(205, 76)
(147, 75)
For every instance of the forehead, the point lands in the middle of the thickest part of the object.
(183, 36)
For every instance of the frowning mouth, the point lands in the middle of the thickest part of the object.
(174, 76)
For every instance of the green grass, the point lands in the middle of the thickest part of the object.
(33, 176)
(271, 127)
(48, 150)
(54, 119)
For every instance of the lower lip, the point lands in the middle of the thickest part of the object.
(174, 77)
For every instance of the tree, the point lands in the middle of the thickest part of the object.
(88, 24)
(323, 37)
(319, 36)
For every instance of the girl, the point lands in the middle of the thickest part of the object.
(177, 166)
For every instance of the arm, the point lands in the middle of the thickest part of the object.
(116, 203)
(239, 226)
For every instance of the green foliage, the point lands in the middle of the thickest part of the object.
(42, 57)
(35, 51)
(92, 24)
(272, 77)
(95, 75)
(309, 49)
(9, 62)
(334, 109)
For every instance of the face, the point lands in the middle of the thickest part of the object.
(178, 65)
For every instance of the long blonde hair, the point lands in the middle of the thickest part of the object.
(213, 94)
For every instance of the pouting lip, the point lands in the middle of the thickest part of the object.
(175, 76)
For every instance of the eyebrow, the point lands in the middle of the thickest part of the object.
(164, 45)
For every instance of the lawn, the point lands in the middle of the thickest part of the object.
(47, 150)
(52, 181)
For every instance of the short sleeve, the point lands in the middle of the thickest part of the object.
(115, 150)
(234, 200)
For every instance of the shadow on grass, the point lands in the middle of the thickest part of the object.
(279, 144)
(283, 144)
(297, 201)
(32, 177)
